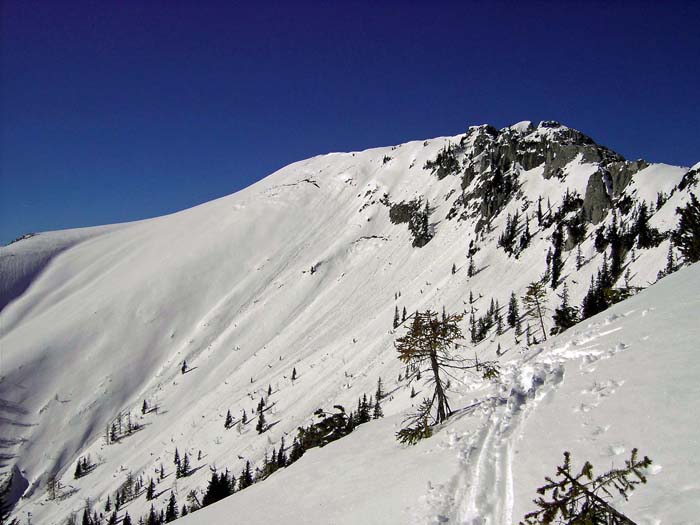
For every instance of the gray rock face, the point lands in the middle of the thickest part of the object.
(496, 158)
(597, 201)
(622, 172)
(606, 185)
(491, 162)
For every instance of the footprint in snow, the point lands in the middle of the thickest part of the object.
(654, 469)
(600, 430)
(585, 407)
(616, 450)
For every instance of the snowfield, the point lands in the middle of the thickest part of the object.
(626, 378)
(304, 270)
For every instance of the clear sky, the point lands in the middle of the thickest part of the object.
(121, 110)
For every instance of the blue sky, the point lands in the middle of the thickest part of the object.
(121, 110)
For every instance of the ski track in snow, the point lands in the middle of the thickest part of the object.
(482, 492)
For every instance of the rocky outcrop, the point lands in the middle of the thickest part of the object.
(597, 201)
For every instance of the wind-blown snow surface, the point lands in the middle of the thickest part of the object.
(109, 316)
(625, 378)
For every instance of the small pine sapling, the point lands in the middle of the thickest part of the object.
(582, 499)
(428, 346)
(261, 427)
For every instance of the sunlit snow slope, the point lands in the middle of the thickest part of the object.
(626, 378)
(304, 270)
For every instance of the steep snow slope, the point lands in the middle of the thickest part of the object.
(301, 270)
(625, 378)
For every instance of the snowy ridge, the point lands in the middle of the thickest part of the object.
(303, 270)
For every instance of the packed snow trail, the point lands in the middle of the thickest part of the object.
(482, 492)
(483, 487)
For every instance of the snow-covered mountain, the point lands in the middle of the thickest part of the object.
(305, 270)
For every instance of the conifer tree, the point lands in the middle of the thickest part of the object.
(162, 471)
(670, 261)
(617, 250)
(294, 374)
(380, 389)
(113, 519)
(534, 302)
(471, 269)
(592, 301)
(472, 329)
(260, 427)
(144, 407)
(281, 455)
(269, 390)
(582, 499)
(647, 237)
(245, 417)
(171, 512)
(184, 367)
(686, 236)
(403, 315)
(454, 268)
(297, 450)
(229, 420)
(151, 490)
(396, 316)
(185, 469)
(246, 479)
(526, 236)
(429, 343)
(152, 516)
(78, 470)
(513, 316)
(178, 464)
(363, 406)
(507, 238)
(378, 412)
(557, 263)
(213, 492)
(565, 316)
(108, 504)
(604, 277)
(127, 519)
(184, 512)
